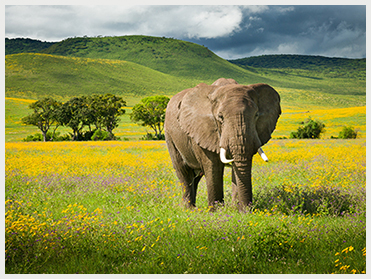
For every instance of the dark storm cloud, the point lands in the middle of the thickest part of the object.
(229, 31)
(315, 30)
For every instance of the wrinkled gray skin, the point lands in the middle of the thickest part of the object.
(200, 121)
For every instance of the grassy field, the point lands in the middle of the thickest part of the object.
(292, 117)
(70, 206)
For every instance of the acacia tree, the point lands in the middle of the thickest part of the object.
(103, 111)
(75, 114)
(106, 109)
(45, 114)
(151, 112)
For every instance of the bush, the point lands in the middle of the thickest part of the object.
(312, 130)
(35, 137)
(294, 199)
(100, 135)
(39, 137)
(150, 136)
(348, 133)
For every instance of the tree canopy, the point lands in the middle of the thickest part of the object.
(151, 112)
(101, 111)
(45, 114)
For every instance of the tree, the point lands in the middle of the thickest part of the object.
(103, 111)
(312, 130)
(107, 108)
(75, 114)
(151, 112)
(44, 115)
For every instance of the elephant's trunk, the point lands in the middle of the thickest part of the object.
(241, 178)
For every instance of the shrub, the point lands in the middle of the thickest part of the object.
(150, 136)
(35, 137)
(312, 130)
(49, 137)
(348, 133)
(100, 135)
(294, 199)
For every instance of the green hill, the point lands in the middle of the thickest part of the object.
(22, 45)
(33, 75)
(185, 64)
(171, 56)
(294, 61)
(338, 76)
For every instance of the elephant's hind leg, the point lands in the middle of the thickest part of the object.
(187, 176)
(189, 180)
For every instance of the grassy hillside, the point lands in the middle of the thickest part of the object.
(328, 75)
(171, 56)
(191, 61)
(34, 76)
(39, 75)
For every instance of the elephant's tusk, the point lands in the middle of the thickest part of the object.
(262, 154)
(223, 157)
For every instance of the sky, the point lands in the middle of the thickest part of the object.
(234, 31)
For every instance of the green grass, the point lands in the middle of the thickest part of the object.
(35, 76)
(127, 215)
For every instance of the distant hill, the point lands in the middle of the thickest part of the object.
(21, 45)
(326, 65)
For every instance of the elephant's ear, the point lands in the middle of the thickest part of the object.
(196, 119)
(269, 111)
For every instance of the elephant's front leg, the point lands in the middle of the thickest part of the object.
(214, 183)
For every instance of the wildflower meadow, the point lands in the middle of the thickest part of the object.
(116, 207)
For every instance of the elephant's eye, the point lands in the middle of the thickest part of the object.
(220, 117)
(257, 115)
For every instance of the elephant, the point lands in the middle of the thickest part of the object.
(212, 126)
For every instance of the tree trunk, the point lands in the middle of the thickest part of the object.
(44, 135)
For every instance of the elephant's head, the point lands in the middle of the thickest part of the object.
(233, 120)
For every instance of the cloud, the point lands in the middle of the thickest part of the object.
(180, 21)
(230, 31)
(313, 30)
